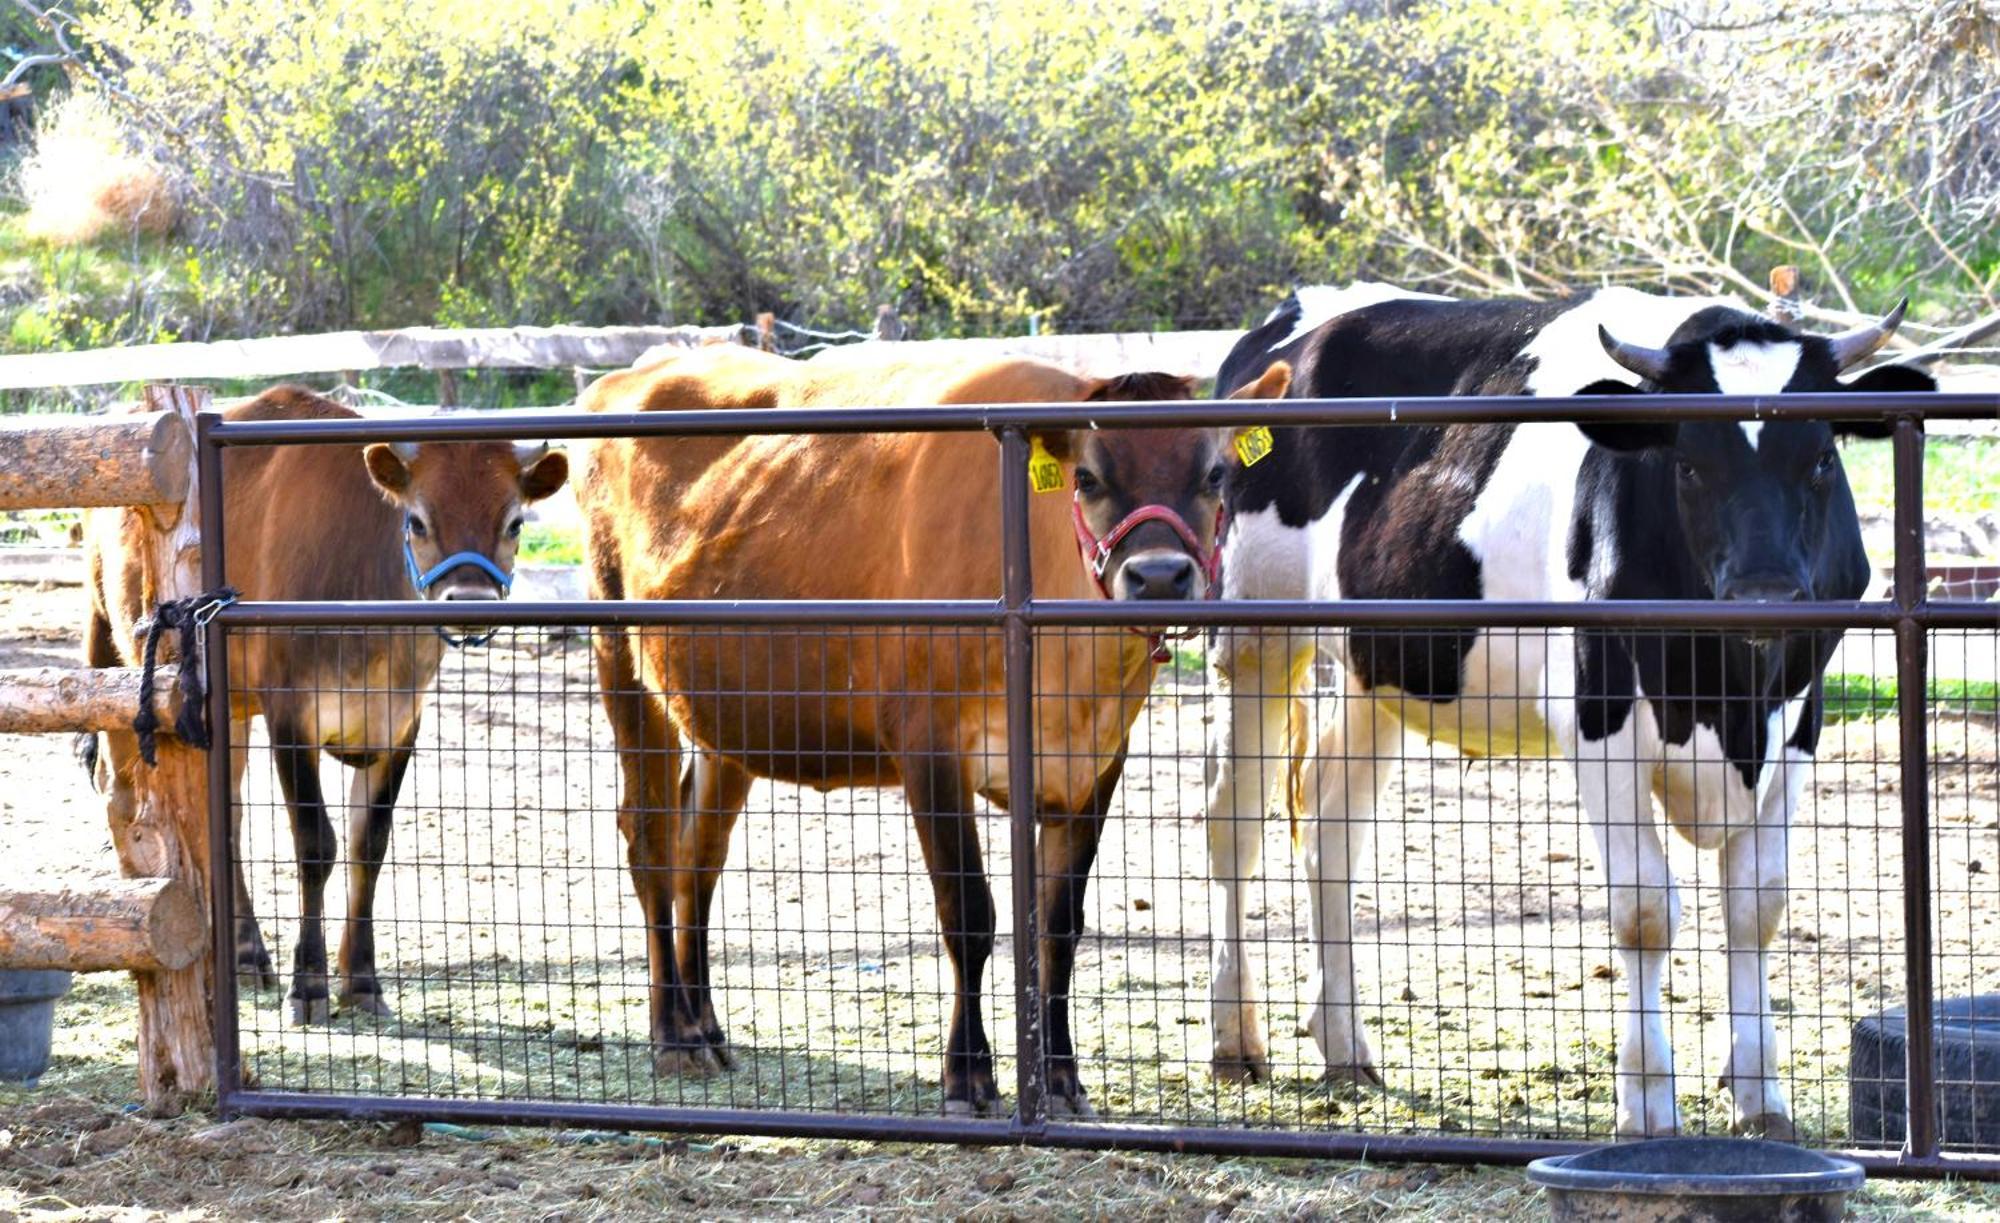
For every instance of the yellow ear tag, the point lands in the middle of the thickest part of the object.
(1253, 444)
(1045, 475)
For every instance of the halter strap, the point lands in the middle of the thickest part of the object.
(1095, 553)
(424, 580)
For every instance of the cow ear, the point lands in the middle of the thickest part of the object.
(388, 467)
(1060, 443)
(545, 475)
(1882, 378)
(1625, 438)
(1271, 384)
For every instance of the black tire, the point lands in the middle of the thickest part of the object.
(1966, 1043)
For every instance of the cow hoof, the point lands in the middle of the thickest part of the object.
(696, 1062)
(1358, 1075)
(311, 1010)
(256, 977)
(1246, 1069)
(367, 1004)
(1775, 1126)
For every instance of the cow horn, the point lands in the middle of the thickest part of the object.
(406, 451)
(528, 453)
(1648, 363)
(1855, 346)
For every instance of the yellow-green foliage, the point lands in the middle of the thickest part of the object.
(979, 166)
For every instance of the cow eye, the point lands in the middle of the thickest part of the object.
(1087, 482)
(1216, 475)
(1823, 470)
(514, 529)
(1686, 472)
(417, 528)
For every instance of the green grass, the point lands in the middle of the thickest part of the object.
(1958, 475)
(542, 544)
(1851, 697)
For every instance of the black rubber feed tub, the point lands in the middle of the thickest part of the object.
(1697, 1180)
(1966, 1040)
(28, 1021)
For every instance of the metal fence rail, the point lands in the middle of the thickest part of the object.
(1491, 1011)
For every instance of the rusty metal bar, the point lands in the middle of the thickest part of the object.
(221, 791)
(1018, 590)
(1912, 675)
(988, 418)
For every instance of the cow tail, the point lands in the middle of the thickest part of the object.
(1297, 744)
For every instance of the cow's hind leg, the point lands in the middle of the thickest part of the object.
(1247, 756)
(1754, 880)
(371, 814)
(1645, 912)
(1345, 780)
(315, 847)
(937, 792)
(1065, 851)
(712, 796)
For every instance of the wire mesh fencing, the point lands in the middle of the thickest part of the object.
(1461, 878)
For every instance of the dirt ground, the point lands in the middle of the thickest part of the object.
(510, 952)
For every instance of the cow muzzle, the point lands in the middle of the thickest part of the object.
(1157, 575)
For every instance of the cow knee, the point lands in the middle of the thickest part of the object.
(1645, 918)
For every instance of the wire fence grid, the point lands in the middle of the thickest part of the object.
(512, 959)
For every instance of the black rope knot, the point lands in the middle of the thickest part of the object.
(187, 617)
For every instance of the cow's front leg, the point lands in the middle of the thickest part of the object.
(1645, 912)
(1754, 881)
(1346, 778)
(1247, 754)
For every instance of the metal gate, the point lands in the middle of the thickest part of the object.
(509, 934)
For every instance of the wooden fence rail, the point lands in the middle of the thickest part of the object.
(137, 472)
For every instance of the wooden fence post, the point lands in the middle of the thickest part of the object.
(165, 832)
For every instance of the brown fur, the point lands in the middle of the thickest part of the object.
(866, 517)
(309, 523)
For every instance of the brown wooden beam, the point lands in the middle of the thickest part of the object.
(112, 925)
(57, 462)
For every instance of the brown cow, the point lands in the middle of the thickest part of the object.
(438, 521)
(897, 517)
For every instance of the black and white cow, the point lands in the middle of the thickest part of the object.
(1719, 729)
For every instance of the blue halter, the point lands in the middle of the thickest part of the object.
(424, 580)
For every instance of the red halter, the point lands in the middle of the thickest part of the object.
(1096, 555)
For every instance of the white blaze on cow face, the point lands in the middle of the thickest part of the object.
(1754, 369)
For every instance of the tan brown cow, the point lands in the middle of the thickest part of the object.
(882, 517)
(437, 521)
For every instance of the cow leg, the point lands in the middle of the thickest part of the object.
(1261, 671)
(713, 793)
(949, 835)
(1347, 775)
(315, 847)
(371, 813)
(1645, 912)
(648, 761)
(1063, 856)
(1754, 882)
(253, 959)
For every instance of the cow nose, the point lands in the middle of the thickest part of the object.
(1766, 588)
(470, 592)
(1159, 577)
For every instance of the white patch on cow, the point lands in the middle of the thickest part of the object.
(1323, 545)
(1751, 428)
(1568, 355)
(1518, 528)
(1263, 558)
(1779, 729)
(1754, 369)
(1318, 304)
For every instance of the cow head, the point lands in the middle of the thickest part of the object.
(462, 505)
(1148, 504)
(1763, 505)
